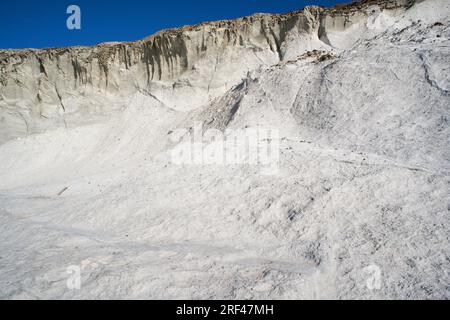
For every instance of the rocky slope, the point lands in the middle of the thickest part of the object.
(43, 89)
(357, 205)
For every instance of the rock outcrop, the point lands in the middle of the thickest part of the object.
(295, 156)
(203, 61)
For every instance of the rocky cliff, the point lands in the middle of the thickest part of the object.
(295, 156)
(183, 68)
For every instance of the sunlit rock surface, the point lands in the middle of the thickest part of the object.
(358, 206)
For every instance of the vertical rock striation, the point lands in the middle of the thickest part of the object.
(37, 87)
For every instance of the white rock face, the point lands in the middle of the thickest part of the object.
(355, 204)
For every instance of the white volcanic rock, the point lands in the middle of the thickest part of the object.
(183, 68)
(357, 208)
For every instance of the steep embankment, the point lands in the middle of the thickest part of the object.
(183, 68)
(356, 205)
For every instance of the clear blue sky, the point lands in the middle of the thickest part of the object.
(42, 23)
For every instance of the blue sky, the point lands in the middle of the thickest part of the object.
(42, 23)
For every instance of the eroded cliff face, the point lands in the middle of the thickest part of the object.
(182, 68)
(179, 197)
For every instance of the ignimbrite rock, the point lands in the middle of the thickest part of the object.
(356, 99)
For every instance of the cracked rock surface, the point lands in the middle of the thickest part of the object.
(358, 208)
